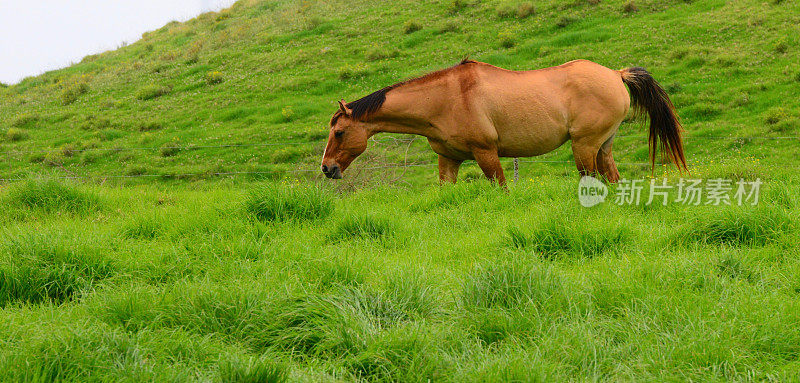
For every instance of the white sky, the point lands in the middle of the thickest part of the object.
(41, 35)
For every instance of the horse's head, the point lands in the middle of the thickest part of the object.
(347, 140)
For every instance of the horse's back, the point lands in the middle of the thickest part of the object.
(583, 85)
(535, 112)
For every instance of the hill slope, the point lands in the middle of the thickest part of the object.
(293, 281)
(266, 72)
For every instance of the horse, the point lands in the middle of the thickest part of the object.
(477, 111)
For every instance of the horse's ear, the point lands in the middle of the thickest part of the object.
(343, 107)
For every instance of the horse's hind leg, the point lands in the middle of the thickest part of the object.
(585, 153)
(605, 162)
(591, 146)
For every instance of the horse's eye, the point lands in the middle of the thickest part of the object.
(338, 133)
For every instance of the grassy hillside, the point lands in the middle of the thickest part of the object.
(267, 72)
(189, 275)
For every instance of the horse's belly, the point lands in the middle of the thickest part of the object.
(530, 140)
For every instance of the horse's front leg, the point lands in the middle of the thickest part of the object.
(448, 169)
(489, 161)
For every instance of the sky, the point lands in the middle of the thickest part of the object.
(41, 35)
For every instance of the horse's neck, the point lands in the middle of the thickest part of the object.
(410, 109)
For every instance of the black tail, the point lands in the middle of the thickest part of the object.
(665, 129)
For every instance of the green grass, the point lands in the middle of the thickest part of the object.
(252, 370)
(49, 195)
(739, 227)
(271, 273)
(271, 202)
(39, 268)
(559, 237)
(192, 283)
(363, 226)
(508, 285)
(150, 92)
(144, 227)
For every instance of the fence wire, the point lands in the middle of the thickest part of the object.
(393, 140)
(281, 171)
(297, 143)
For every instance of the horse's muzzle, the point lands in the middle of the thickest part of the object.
(333, 171)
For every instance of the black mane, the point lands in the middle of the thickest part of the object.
(369, 104)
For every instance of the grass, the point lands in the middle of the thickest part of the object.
(338, 273)
(14, 134)
(232, 284)
(72, 92)
(559, 237)
(214, 77)
(40, 268)
(271, 202)
(49, 195)
(363, 227)
(38, 284)
(252, 370)
(144, 227)
(271, 273)
(150, 92)
(411, 26)
(739, 227)
(508, 285)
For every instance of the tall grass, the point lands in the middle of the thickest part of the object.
(82, 351)
(355, 226)
(340, 321)
(49, 195)
(281, 202)
(75, 357)
(144, 227)
(509, 284)
(402, 354)
(512, 364)
(329, 274)
(48, 268)
(452, 196)
(35, 284)
(226, 298)
(577, 238)
(252, 370)
(740, 227)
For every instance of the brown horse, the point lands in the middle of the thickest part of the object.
(478, 111)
